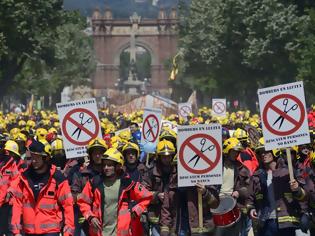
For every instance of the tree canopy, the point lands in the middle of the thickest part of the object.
(42, 47)
(241, 45)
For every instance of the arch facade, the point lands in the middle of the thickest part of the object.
(111, 36)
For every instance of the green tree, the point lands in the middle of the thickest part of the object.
(42, 48)
(305, 58)
(72, 61)
(240, 45)
(27, 32)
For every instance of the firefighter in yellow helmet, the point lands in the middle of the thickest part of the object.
(9, 174)
(247, 157)
(40, 134)
(157, 180)
(271, 188)
(169, 135)
(12, 148)
(122, 202)
(96, 148)
(133, 167)
(21, 139)
(58, 155)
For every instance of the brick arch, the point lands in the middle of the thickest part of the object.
(125, 45)
(111, 36)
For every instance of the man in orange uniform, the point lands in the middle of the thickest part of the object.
(8, 173)
(42, 198)
(105, 201)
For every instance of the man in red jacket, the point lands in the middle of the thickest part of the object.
(106, 201)
(42, 203)
(8, 173)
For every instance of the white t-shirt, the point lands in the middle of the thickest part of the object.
(228, 181)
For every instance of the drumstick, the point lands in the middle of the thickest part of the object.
(200, 210)
(147, 160)
(290, 168)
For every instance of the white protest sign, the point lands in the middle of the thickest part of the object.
(79, 125)
(184, 109)
(151, 125)
(218, 107)
(283, 115)
(253, 134)
(199, 155)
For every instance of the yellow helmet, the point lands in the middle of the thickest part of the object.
(3, 126)
(12, 146)
(41, 134)
(20, 137)
(30, 123)
(240, 134)
(254, 124)
(312, 156)
(56, 145)
(165, 147)
(14, 132)
(22, 123)
(168, 134)
(126, 135)
(119, 144)
(261, 145)
(115, 139)
(114, 155)
(131, 146)
(232, 144)
(97, 143)
(276, 152)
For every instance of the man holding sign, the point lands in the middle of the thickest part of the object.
(191, 195)
(184, 201)
(284, 126)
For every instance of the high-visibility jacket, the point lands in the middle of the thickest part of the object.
(21, 165)
(54, 205)
(248, 158)
(8, 173)
(91, 203)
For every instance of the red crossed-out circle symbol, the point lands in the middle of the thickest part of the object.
(219, 107)
(151, 128)
(69, 117)
(210, 165)
(270, 106)
(185, 110)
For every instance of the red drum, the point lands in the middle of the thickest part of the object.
(227, 213)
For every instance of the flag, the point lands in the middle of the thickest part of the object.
(29, 109)
(193, 101)
(174, 71)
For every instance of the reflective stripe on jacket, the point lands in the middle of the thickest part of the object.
(8, 174)
(91, 202)
(44, 215)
